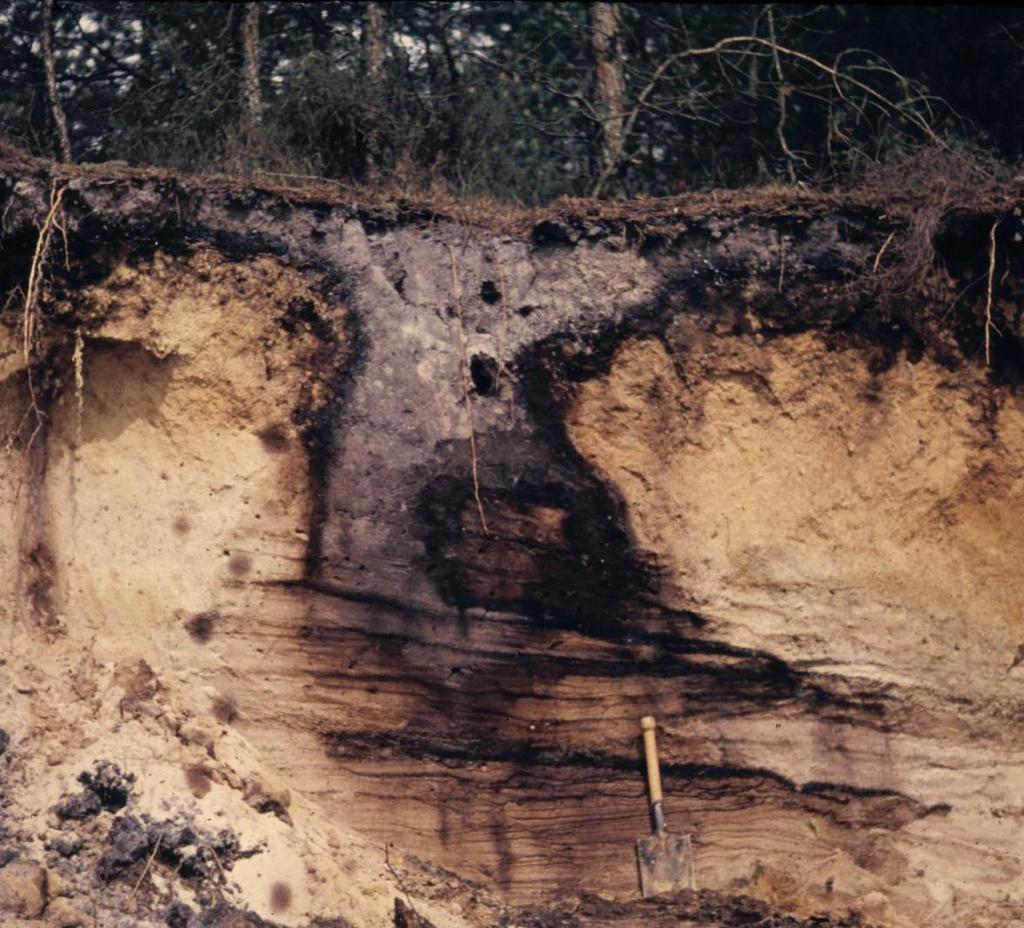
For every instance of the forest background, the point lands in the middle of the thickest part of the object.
(516, 101)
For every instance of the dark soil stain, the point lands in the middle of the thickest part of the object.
(201, 625)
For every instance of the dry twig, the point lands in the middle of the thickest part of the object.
(397, 878)
(145, 870)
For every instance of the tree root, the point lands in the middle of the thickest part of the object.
(30, 309)
(989, 325)
(467, 399)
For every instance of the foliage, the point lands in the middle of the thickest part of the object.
(495, 97)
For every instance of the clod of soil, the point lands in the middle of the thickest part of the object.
(79, 806)
(109, 784)
(127, 843)
(106, 788)
(67, 845)
(24, 888)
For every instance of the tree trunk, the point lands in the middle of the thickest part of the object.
(452, 149)
(609, 88)
(46, 45)
(251, 97)
(374, 57)
(320, 30)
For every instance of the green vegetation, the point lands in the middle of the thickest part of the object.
(516, 100)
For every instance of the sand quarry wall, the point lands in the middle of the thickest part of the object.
(357, 533)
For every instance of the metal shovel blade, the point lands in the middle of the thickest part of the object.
(666, 863)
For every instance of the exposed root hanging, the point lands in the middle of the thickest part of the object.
(988, 292)
(881, 251)
(503, 342)
(464, 372)
(29, 314)
(30, 309)
(782, 262)
(78, 359)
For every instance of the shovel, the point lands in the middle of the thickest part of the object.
(665, 860)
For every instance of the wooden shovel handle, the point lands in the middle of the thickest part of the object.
(647, 726)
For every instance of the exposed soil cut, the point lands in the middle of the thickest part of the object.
(350, 547)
